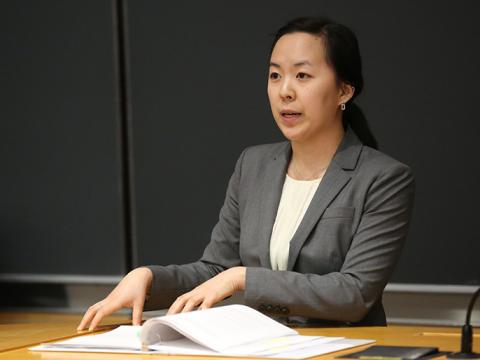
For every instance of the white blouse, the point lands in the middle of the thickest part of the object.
(296, 197)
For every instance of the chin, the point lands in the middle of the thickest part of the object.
(292, 135)
(288, 132)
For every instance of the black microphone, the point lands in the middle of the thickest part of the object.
(467, 335)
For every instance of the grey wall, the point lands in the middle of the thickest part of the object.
(61, 210)
(199, 95)
(198, 72)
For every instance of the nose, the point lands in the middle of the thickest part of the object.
(287, 93)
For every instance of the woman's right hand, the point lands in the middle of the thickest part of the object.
(129, 293)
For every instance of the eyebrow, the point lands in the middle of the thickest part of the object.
(297, 64)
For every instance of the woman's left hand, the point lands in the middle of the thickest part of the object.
(211, 291)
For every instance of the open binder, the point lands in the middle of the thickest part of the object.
(232, 330)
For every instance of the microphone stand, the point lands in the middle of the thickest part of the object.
(467, 335)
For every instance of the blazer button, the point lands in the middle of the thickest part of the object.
(262, 307)
(284, 310)
(269, 308)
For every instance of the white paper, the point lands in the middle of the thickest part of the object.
(219, 328)
(233, 330)
(281, 344)
(316, 349)
(122, 338)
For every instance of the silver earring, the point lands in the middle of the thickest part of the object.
(342, 106)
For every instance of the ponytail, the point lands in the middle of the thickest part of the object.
(353, 116)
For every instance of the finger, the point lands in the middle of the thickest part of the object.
(137, 313)
(191, 304)
(103, 311)
(89, 314)
(207, 304)
(177, 305)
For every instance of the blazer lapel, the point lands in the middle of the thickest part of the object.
(269, 198)
(332, 183)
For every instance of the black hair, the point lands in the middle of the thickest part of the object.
(343, 55)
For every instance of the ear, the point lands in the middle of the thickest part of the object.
(346, 93)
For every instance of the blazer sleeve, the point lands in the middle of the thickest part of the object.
(221, 253)
(347, 295)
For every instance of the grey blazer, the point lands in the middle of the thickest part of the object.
(341, 255)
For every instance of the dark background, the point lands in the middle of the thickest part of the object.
(198, 83)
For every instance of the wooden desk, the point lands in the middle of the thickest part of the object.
(447, 339)
(20, 330)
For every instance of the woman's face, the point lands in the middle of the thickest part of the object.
(304, 93)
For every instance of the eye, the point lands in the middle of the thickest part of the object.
(303, 76)
(274, 76)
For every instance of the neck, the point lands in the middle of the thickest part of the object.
(311, 158)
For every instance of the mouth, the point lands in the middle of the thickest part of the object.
(290, 117)
(289, 113)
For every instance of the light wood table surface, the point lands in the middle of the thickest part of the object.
(447, 339)
(19, 329)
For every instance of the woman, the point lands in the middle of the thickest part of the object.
(311, 228)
